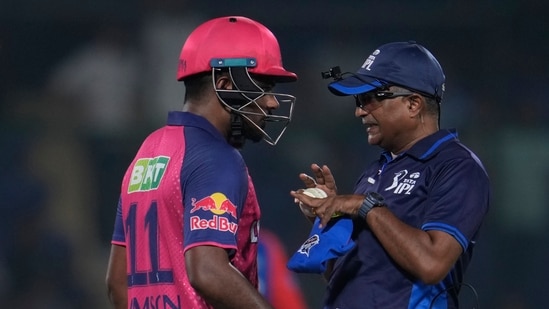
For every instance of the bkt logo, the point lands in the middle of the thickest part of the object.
(218, 204)
(147, 174)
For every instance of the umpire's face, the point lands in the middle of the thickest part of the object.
(389, 117)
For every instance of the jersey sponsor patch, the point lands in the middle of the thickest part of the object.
(147, 174)
(219, 205)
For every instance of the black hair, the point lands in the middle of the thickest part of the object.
(432, 106)
(196, 85)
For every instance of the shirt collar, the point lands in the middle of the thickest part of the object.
(177, 118)
(428, 146)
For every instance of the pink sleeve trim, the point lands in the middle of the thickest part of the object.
(119, 243)
(208, 243)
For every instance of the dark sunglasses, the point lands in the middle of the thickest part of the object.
(372, 100)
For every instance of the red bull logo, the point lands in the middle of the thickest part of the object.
(218, 204)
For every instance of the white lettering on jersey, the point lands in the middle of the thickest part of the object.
(401, 184)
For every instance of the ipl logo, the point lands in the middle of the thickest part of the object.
(403, 185)
(368, 63)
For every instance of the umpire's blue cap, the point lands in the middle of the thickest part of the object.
(405, 64)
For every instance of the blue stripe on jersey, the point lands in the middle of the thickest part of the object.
(422, 295)
(448, 229)
(438, 143)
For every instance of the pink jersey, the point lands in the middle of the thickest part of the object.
(186, 187)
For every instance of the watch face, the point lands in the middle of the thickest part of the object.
(378, 197)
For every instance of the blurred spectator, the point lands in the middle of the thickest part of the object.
(101, 78)
(99, 82)
(164, 26)
(37, 252)
(276, 282)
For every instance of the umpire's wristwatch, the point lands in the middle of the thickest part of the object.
(371, 200)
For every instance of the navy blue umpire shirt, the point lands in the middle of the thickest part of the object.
(438, 184)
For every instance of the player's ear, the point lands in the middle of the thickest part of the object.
(223, 82)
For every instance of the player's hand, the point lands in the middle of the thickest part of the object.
(323, 179)
(331, 206)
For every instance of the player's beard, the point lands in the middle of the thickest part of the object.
(251, 132)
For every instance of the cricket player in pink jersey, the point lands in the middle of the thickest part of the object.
(187, 224)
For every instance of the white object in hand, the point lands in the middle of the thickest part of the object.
(312, 192)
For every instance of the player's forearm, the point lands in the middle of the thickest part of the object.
(252, 299)
(116, 278)
(225, 287)
(118, 298)
(117, 293)
(212, 275)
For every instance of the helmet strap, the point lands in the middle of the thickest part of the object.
(236, 100)
(236, 137)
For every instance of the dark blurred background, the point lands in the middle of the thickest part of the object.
(83, 82)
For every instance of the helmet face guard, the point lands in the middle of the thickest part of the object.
(243, 102)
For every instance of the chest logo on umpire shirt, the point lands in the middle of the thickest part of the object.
(402, 184)
(147, 173)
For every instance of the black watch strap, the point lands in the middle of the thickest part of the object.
(371, 200)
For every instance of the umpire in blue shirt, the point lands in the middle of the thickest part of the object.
(418, 208)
